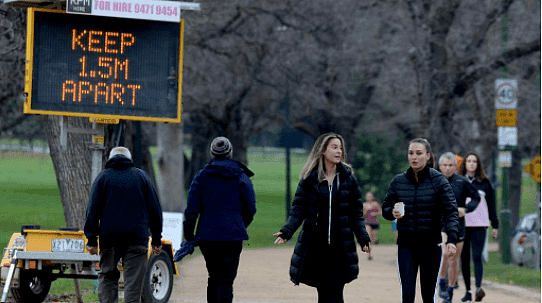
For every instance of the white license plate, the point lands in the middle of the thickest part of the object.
(68, 245)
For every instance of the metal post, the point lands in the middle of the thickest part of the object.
(537, 242)
(505, 211)
(12, 267)
(288, 145)
(288, 177)
(63, 133)
(138, 145)
(97, 151)
(505, 218)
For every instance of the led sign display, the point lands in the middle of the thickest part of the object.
(103, 67)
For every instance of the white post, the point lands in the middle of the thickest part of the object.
(97, 150)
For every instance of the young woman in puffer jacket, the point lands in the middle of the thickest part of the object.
(328, 200)
(428, 200)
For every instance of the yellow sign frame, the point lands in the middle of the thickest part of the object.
(27, 108)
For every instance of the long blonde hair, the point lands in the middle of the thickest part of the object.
(316, 157)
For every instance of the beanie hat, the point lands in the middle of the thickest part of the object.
(221, 147)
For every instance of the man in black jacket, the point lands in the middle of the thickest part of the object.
(463, 189)
(123, 206)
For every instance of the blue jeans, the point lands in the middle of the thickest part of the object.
(222, 261)
(134, 262)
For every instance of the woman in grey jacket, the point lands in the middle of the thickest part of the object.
(328, 200)
(428, 199)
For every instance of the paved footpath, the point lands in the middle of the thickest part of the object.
(263, 277)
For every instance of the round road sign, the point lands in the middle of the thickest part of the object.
(506, 95)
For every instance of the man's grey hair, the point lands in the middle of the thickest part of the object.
(119, 150)
(449, 156)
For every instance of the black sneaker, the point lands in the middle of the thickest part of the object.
(467, 297)
(443, 291)
(479, 295)
(449, 299)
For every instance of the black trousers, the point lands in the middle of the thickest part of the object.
(428, 260)
(324, 268)
(332, 293)
(475, 238)
(222, 261)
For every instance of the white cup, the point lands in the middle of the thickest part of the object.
(401, 207)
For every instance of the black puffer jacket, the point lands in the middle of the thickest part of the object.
(347, 212)
(463, 189)
(428, 201)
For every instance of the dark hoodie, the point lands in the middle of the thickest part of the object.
(123, 206)
(222, 195)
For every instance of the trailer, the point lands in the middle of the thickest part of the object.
(35, 258)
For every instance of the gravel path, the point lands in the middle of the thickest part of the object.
(263, 277)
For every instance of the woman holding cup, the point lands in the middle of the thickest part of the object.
(420, 199)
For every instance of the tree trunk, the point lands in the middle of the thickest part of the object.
(170, 166)
(137, 142)
(200, 146)
(72, 167)
(240, 149)
(126, 134)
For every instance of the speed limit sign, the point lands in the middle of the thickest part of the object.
(506, 91)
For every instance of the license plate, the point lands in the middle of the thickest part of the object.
(68, 245)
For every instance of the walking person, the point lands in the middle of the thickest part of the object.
(463, 189)
(328, 201)
(371, 210)
(421, 199)
(477, 224)
(221, 200)
(122, 208)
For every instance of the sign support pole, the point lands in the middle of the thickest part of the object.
(288, 155)
(97, 148)
(537, 242)
(506, 98)
(505, 217)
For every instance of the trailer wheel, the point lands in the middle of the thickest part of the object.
(34, 286)
(158, 281)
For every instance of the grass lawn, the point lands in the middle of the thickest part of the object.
(29, 195)
(509, 274)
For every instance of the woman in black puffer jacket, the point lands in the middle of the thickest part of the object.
(428, 199)
(328, 200)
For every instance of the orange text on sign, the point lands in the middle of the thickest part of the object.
(101, 42)
(100, 93)
(109, 67)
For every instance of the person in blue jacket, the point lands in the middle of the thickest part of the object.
(221, 200)
(122, 208)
